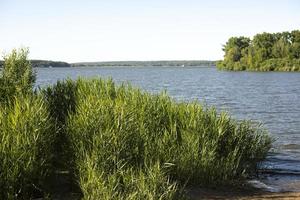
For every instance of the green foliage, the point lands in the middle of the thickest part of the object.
(265, 52)
(25, 135)
(17, 76)
(127, 184)
(60, 103)
(281, 49)
(119, 133)
(295, 50)
(60, 99)
(117, 142)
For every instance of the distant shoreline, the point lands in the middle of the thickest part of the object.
(179, 63)
(171, 63)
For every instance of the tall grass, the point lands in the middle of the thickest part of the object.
(17, 76)
(25, 148)
(60, 101)
(119, 132)
(117, 141)
(26, 135)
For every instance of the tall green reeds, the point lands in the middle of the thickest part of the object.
(25, 148)
(117, 142)
(118, 130)
(17, 76)
(60, 100)
(26, 135)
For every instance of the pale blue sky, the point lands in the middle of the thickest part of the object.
(90, 30)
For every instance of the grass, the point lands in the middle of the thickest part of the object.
(17, 76)
(26, 132)
(119, 132)
(117, 142)
(24, 148)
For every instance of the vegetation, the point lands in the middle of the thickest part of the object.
(25, 159)
(44, 63)
(25, 131)
(118, 142)
(17, 77)
(133, 145)
(149, 63)
(49, 63)
(265, 52)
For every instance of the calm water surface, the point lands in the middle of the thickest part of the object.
(271, 98)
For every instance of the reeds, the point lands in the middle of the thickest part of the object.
(25, 148)
(17, 76)
(123, 143)
(117, 141)
(26, 136)
(119, 131)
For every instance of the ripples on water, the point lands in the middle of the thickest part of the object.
(271, 98)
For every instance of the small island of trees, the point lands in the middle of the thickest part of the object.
(265, 52)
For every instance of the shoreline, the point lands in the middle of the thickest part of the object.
(246, 194)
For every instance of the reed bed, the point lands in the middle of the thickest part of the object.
(124, 140)
(26, 138)
(117, 142)
(26, 134)
(121, 143)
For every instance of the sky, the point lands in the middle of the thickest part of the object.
(114, 30)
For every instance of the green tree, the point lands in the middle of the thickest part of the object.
(295, 47)
(295, 50)
(266, 52)
(263, 44)
(234, 49)
(295, 36)
(281, 48)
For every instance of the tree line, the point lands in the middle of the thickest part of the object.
(43, 63)
(265, 52)
(158, 63)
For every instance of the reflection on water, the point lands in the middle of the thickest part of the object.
(271, 98)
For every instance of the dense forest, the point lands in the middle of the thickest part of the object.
(44, 63)
(265, 52)
(148, 63)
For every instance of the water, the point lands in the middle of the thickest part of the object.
(271, 98)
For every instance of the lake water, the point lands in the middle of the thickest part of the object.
(271, 98)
